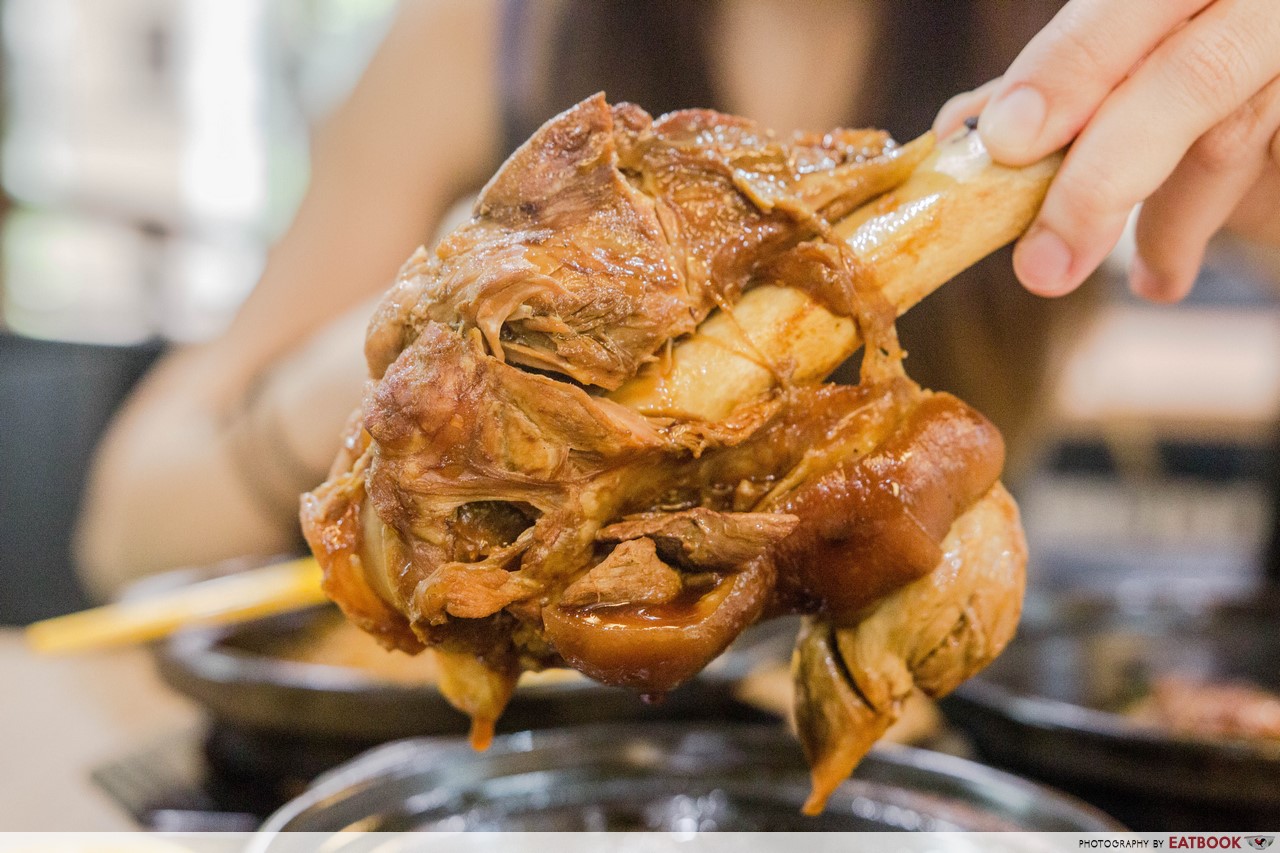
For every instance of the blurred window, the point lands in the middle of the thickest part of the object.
(153, 149)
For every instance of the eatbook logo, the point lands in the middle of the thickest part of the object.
(1261, 842)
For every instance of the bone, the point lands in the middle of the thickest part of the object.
(954, 210)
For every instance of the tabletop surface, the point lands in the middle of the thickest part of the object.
(60, 718)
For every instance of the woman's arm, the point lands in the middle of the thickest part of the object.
(207, 457)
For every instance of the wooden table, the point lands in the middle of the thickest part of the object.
(60, 718)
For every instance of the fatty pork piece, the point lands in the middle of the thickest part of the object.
(492, 502)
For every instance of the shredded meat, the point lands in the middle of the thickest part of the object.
(631, 574)
(494, 503)
(608, 234)
(704, 538)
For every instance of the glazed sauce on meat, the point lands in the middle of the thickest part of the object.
(687, 608)
(513, 510)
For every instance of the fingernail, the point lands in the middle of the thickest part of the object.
(1043, 262)
(1011, 124)
(948, 118)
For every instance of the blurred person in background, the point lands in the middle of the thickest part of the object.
(207, 458)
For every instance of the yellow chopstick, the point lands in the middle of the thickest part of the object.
(236, 598)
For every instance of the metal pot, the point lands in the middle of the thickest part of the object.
(659, 777)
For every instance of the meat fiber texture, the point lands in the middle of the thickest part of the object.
(492, 501)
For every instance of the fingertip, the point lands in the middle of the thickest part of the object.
(1163, 287)
(951, 116)
(1012, 124)
(1042, 261)
(964, 106)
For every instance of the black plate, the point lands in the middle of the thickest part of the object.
(1050, 706)
(239, 676)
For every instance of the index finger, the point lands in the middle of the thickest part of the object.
(1065, 72)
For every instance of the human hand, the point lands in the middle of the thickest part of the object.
(1171, 103)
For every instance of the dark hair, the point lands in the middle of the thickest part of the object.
(654, 53)
(981, 336)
